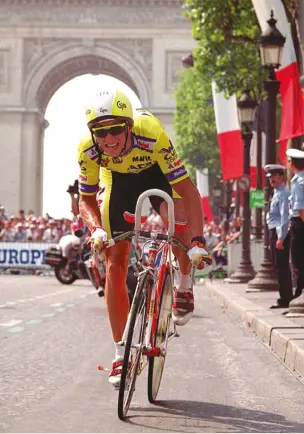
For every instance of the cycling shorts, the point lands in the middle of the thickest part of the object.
(119, 193)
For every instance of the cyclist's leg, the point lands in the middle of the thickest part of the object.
(116, 296)
(116, 197)
(183, 305)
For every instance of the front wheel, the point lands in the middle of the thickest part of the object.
(156, 364)
(66, 277)
(133, 349)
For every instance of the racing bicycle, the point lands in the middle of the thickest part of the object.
(149, 327)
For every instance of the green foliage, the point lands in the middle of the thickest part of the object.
(195, 123)
(227, 32)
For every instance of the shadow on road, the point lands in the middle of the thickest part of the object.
(212, 417)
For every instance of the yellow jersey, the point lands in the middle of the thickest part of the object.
(150, 145)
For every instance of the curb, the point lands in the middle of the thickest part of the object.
(283, 336)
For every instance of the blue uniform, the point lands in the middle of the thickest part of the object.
(297, 194)
(277, 217)
(278, 222)
(297, 231)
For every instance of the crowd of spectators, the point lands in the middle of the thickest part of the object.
(28, 227)
(217, 234)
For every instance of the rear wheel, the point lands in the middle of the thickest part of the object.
(133, 356)
(156, 364)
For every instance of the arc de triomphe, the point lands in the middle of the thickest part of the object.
(45, 43)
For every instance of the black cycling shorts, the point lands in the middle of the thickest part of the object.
(120, 191)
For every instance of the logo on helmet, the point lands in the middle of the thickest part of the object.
(121, 105)
(102, 110)
(88, 112)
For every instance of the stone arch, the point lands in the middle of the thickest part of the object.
(56, 68)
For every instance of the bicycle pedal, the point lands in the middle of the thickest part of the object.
(103, 368)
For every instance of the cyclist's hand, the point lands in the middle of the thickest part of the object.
(97, 239)
(199, 256)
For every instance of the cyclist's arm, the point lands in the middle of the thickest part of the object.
(88, 182)
(89, 211)
(177, 175)
(193, 205)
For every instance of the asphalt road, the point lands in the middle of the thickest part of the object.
(218, 377)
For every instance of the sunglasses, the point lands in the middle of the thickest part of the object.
(113, 130)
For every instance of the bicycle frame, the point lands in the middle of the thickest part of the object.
(156, 274)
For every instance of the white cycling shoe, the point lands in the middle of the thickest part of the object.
(115, 374)
(183, 307)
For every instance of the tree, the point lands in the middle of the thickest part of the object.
(195, 123)
(227, 32)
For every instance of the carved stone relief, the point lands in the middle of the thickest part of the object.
(35, 49)
(140, 51)
(58, 14)
(4, 65)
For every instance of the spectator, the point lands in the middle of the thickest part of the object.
(22, 218)
(3, 217)
(51, 233)
(220, 253)
(7, 234)
(40, 232)
(20, 233)
(31, 234)
(211, 239)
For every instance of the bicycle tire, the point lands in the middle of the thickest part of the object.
(139, 305)
(156, 364)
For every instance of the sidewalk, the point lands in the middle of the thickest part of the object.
(285, 336)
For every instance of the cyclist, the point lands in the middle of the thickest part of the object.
(123, 155)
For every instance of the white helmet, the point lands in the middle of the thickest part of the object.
(109, 104)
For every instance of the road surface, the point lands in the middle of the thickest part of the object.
(218, 377)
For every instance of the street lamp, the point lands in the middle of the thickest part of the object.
(217, 196)
(246, 111)
(271, 47)
(271, 44)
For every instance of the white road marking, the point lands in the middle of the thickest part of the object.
(38, 297)
(11, 323)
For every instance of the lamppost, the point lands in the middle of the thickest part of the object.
(271, 47)
(246, 111)
(217, 196)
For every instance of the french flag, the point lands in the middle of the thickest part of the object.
(202, 183)
(292, 122)
(254, 145)
(228, 135)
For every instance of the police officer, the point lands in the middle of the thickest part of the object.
(278, 222)
(296, 215)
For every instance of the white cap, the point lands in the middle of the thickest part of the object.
(273, 168)
(295, 153)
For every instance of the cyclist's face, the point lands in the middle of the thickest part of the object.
(111, 140)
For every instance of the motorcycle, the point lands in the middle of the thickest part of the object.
(80, 265)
